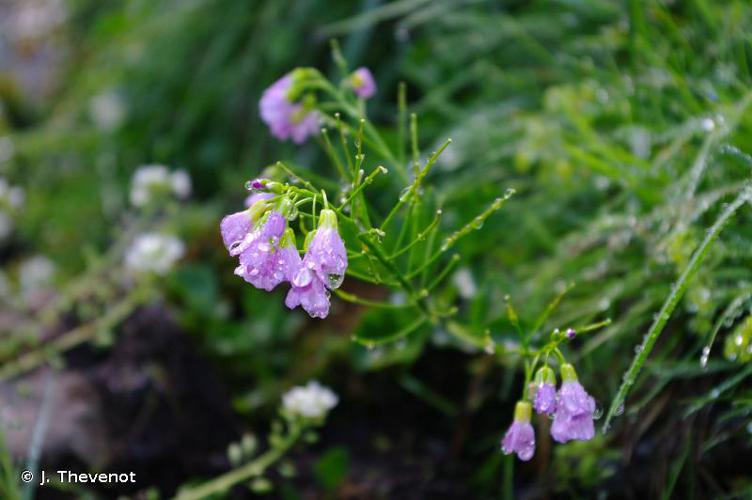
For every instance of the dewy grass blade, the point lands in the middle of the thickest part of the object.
(670, 304)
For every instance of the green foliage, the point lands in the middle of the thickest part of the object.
(623, 127)
(331, 468)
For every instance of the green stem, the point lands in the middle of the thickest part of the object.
(389, 265)
(368, 180)
(77, 336)
(257, 467)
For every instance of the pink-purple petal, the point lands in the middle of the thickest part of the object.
(519, 439)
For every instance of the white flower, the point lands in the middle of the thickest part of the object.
(35, 273)
(6, 149)
(107, 110)
(181, 184)
(10, 196)
(151, 182)
(153, 252)
(310, 401)
(463, 280)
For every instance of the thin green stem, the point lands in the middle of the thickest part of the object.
(255, 468)
(677, 292)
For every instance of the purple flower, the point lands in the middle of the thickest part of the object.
(260, 262)
(520, 437)
(573, 419)
(363, 83)
(323, 268)
(545, 399)
(234, 228)
(545, 391)
(326, 255)
(309, 292)
(287, 119)
(571, 333)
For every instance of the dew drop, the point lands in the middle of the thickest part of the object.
(598, 413)
(335, 280)
(704, 357)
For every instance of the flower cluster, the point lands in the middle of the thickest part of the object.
(268, 255)
(312, 401)
(153, 253)
(572, 409)
(286, 118)
(290, 114)
(152, 183)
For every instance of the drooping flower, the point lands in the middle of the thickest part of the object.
(287, 119)
(267, 261)
(234, 229)
(573, 419)
(326, 255)
(520, 437)
(545, 391)
(309, 292)
(312, 401)
(322, 269)
(363, 83)
(151, 183)
(153, 252)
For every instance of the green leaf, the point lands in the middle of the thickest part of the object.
(331, 469)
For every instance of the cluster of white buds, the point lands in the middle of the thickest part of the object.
(153, 253)
(311, 401)
(153, 183)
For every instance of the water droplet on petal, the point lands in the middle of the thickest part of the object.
(598, 413)
(335, 280)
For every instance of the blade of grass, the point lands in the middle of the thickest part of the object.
(670, 304)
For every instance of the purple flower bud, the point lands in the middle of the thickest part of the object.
(520, 437)
(255, 185)
(571, 333)
(286, 119)
(573, 419)
(363, 83)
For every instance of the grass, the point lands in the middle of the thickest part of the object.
(622, 127)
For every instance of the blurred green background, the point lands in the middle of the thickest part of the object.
(623, 126)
